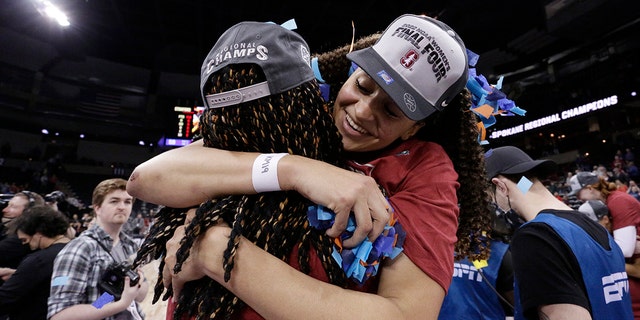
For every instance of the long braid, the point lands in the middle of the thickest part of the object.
(295, 122)
(468, 160)
(166, 220)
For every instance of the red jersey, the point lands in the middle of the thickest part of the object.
(421, 184)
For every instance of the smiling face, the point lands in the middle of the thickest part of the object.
(115, 209)
(367, 117)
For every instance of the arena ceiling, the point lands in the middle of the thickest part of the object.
(121, 66)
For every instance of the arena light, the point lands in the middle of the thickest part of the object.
(50, 10)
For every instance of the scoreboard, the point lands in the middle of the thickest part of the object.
(185, 125)
(186, 122)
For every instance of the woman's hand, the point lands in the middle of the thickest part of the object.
(340, 190)
(633, 267)
(169, 179)
(200, 263)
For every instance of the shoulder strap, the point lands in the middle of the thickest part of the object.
(103, 246)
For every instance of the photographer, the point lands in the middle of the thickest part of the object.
(91, 278)
(58, 201)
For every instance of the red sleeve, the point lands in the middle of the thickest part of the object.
(624, 209)
(422, 190)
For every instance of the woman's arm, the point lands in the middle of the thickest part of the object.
(263, 282)
(626, 239)
(633, 269)
(187, 176)
(564, 311)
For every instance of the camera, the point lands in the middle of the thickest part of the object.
(112, 280)
(55, 196)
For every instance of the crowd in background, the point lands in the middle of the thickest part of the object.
(621, 170)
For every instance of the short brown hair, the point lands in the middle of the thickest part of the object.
(105, 187)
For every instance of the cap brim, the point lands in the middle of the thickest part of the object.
(371, 62)
(542, 168)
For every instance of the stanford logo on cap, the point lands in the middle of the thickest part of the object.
(419, 62)
(409, 59)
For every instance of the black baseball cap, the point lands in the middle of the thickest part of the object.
(511, 160)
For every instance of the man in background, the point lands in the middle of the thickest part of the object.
(78, 290)
(566, 265)
(12, 250)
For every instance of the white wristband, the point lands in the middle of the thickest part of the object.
(265, 172)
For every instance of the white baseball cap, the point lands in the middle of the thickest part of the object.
(419, 61)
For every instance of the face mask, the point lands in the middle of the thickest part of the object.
(513, 219)
(506, 222)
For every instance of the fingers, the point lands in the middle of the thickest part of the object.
(380, 216)
(340, 223)
(371, 217)
(177, 286)
(172, 246)
(364, 224)
(126, 293)
(166, 275)
(129, 293)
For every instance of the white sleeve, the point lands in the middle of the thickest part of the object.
(626, 239)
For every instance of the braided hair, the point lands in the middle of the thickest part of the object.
(295, 122)
(467, 155)
(277, 221)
